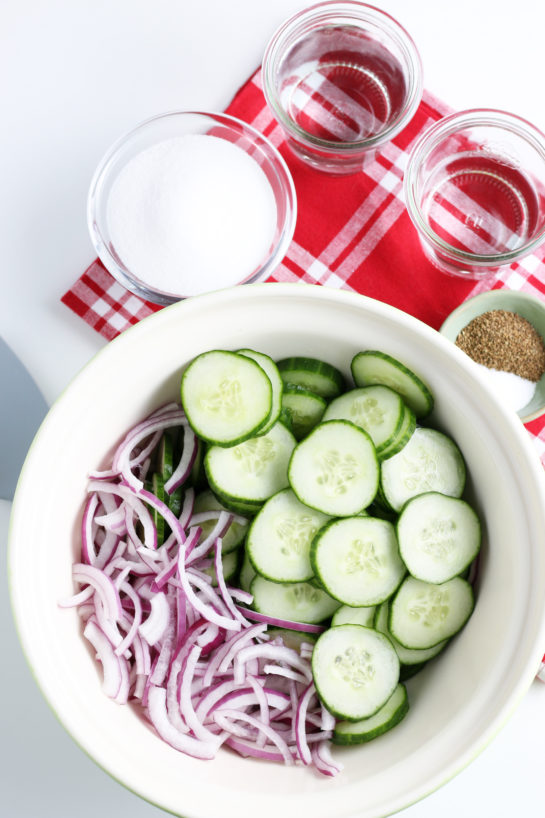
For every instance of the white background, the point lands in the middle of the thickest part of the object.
(75, 75)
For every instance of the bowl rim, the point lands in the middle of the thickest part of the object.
(348, 298)
(120, 271)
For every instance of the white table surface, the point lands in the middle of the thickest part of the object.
(75, 75)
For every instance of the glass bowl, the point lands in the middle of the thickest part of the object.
(209, 258)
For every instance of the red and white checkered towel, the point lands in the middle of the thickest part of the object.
(352, 233)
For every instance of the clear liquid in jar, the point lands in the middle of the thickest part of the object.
(481, 203)
(341, 85)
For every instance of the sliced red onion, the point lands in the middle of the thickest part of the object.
(163, 576)
(157, 622)
(77, 599)
(139, 508)
(300, 725)
(111, 666)
(323, 760)
(104, 587)
(225, 519)
(227, 719)
(122, 463)
(175, 644)
(225, 595)
(277, 653)
(250, 748)
(158, 716)
(274, 622)
(183, 469)
(137, 618)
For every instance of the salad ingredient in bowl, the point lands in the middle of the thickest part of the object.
(176, 640)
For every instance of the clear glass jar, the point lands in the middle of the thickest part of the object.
(475, 191)
(342, 79)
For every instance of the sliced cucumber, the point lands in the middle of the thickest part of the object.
(247, 573)
(373, 367)
(310, 373)
(378, 410)
(357, 560)
(406, 655)
(423, 614)
(165, 456)
(355, 671)
(305, 409)
(439, 536)
(431, 461)
(290, 638)
(227, 397)
(244, 509)
(335, 469)
(294, 602)
(389, 715)
(207, 501)
(346, 615)
(271, 371)
(279, 539)
(158, 488)
(252, 471)
(403, 435)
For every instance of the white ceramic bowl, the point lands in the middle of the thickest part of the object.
(457, 704)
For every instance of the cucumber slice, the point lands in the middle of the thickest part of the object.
(305, 409)
(252, 471)
(207, 501)
(165, 456)
(158, 488)
(247, 573)
(227, 397)
(373, 367)
(407, 672)
(279, 539)
(310, 373)
(271, 371)
(294, 602)
(407, 657)
(423, 614)
(174, 501)
(389, 715)
(439, 536)
(335, 469)
(247, 509)
(430, 461)
(378, 410)
(355, 671)
(346, 615)
(292, 639)
(404, 434)
(357, 560)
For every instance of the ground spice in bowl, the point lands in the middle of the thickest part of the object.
(510, 348)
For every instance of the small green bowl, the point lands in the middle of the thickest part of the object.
(530, 307)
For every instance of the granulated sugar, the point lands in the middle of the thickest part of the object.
(191, 214)
(511, 390)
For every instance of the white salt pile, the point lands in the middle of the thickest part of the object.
(512, 390)
(191, 214)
